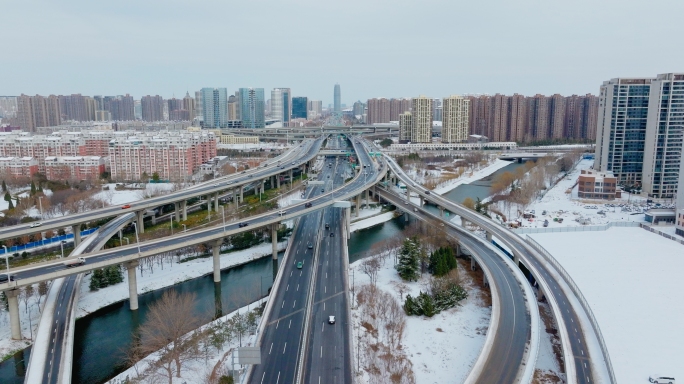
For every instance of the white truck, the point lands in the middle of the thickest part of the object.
(74, 262)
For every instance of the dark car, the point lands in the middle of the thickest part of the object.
(3, 278)
(332, 234)
(427, 192)
(309, 245)
(307, 205)
(242, 225)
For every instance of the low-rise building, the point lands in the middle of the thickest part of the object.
(18, 166)
(234, 139)
(74, 167)
(597, 185)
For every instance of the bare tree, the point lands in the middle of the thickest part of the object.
(164, 331)
(370, 267)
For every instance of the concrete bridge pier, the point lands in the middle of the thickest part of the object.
(484, 279)
(216, 254)
(176, 208)
(367, 198)
(140, 221)
(13, 304)
(274, 241)
(408, 194)
(291, 176)
(348, 222)
(132, 283)
(76, 229)
(242, 193)
(441, 211)
(489, 237)
(184, 206)
(216, 201)
(277, 177)
(472, 263)
(358, 204)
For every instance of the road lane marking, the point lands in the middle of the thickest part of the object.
(278, 377)
(287, 288)
(262, 376)
(285, 346)
(297, 287)
(278, 323)
(289, 325)
(283, 306)
(295, 303)
(321, 351)
(269, 350)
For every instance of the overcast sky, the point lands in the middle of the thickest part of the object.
(372, 48)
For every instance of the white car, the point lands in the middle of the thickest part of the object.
(331, 319)
(661, 379)
(36, 224)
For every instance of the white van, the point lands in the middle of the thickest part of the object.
(658, 379)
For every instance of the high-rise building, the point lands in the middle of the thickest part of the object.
(199, 106)
(664, 134)
(359, 108)
(8, 106)
(189, 105)
(121, 108)
(437, 109)
(405, 126)
(315, 108)
(281, 105)
(397, 107)
(455, 119)
(421, 112)
(233, 108)
(300, 107)
(498, 118)
(557, 114)
(639, 132)
(214, 104)
(38, 111)
(516, 117)
(252, 107)
(337, 99)
(378, 111)
(152, 108)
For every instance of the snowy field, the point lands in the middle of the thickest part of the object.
(632, 281)
(558, 203)
(114, 197)
(442, 348)
(469, 177)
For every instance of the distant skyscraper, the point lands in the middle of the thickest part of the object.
(252, 107)
(189, 105)
(152, 108)
(421, 112)
(378, 111)
(359, 108)
(233, 108)
(281, 104)
(38, 111)
(455, 119)
(300, 107)
(337, 99)
(214, 104)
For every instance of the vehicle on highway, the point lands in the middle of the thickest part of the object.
(240, 225)
(74, 262)
(282, 212)
(299, 265)
(327, 226)
(309, 245)
(427, 192)
(251, 175)
(322, 189)
(331, 319)
(415, 209)
(307, 205)
(332, 234)
(3, 277)
(243, 172)
(217, 184)
(661, 379)
(36, 224)
(405, 202)
(126, 206)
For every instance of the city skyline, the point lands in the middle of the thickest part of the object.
(499, 58)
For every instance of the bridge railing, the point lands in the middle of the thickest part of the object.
(583, 301)
(43, 242)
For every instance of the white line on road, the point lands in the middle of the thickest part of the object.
(270, 349)
(277, 323)
(295, 303)
(289, 325)
(283, 306)
(287, 288)
(285, 346)
(321, 351)
(297, 287)
(262, 376)
(278, 377)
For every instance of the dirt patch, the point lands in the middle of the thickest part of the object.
(545, 377)
(552, 330)
(474, 279)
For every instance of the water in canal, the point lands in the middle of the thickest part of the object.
(479, 188)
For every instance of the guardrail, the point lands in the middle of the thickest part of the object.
(43, 242)
(661, 233)
(549, 258)
(583, 228)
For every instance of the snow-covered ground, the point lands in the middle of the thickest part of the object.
(562, 202)
(172, 273)
(632, 281)
(469, 177)
(29, 323)
(114, 197)
(443, 348)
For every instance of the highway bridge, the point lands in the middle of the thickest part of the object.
(334, 195)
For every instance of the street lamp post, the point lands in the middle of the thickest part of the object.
(61, 246)
(171, 223)
(184, 228)
(40, 203)
(223, 212)
(137, 239)
(128, 242)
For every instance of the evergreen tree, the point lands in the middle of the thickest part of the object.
(427, 305)
(408, 260)
(33, 188)
(10, 205)
(40, 187)
(96, 280)
(17, 200)
(442, 261)
(4, 186)
(7, 196)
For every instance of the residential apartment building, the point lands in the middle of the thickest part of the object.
(315, 108)
(214, 107)
(152, 108)
(639, 132)
(252, 107)
(679, 219)
(300, 108)
(281, 105)
(378, 111)
(405, 127)
(421, 110)
(455, 119)
(597, 185)
(397, 107)
(18, 167)
(121, 108)
(233, 139)
(8, 106)
(173, 155)
(74, 167)
(77, 107)
(38, 111)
